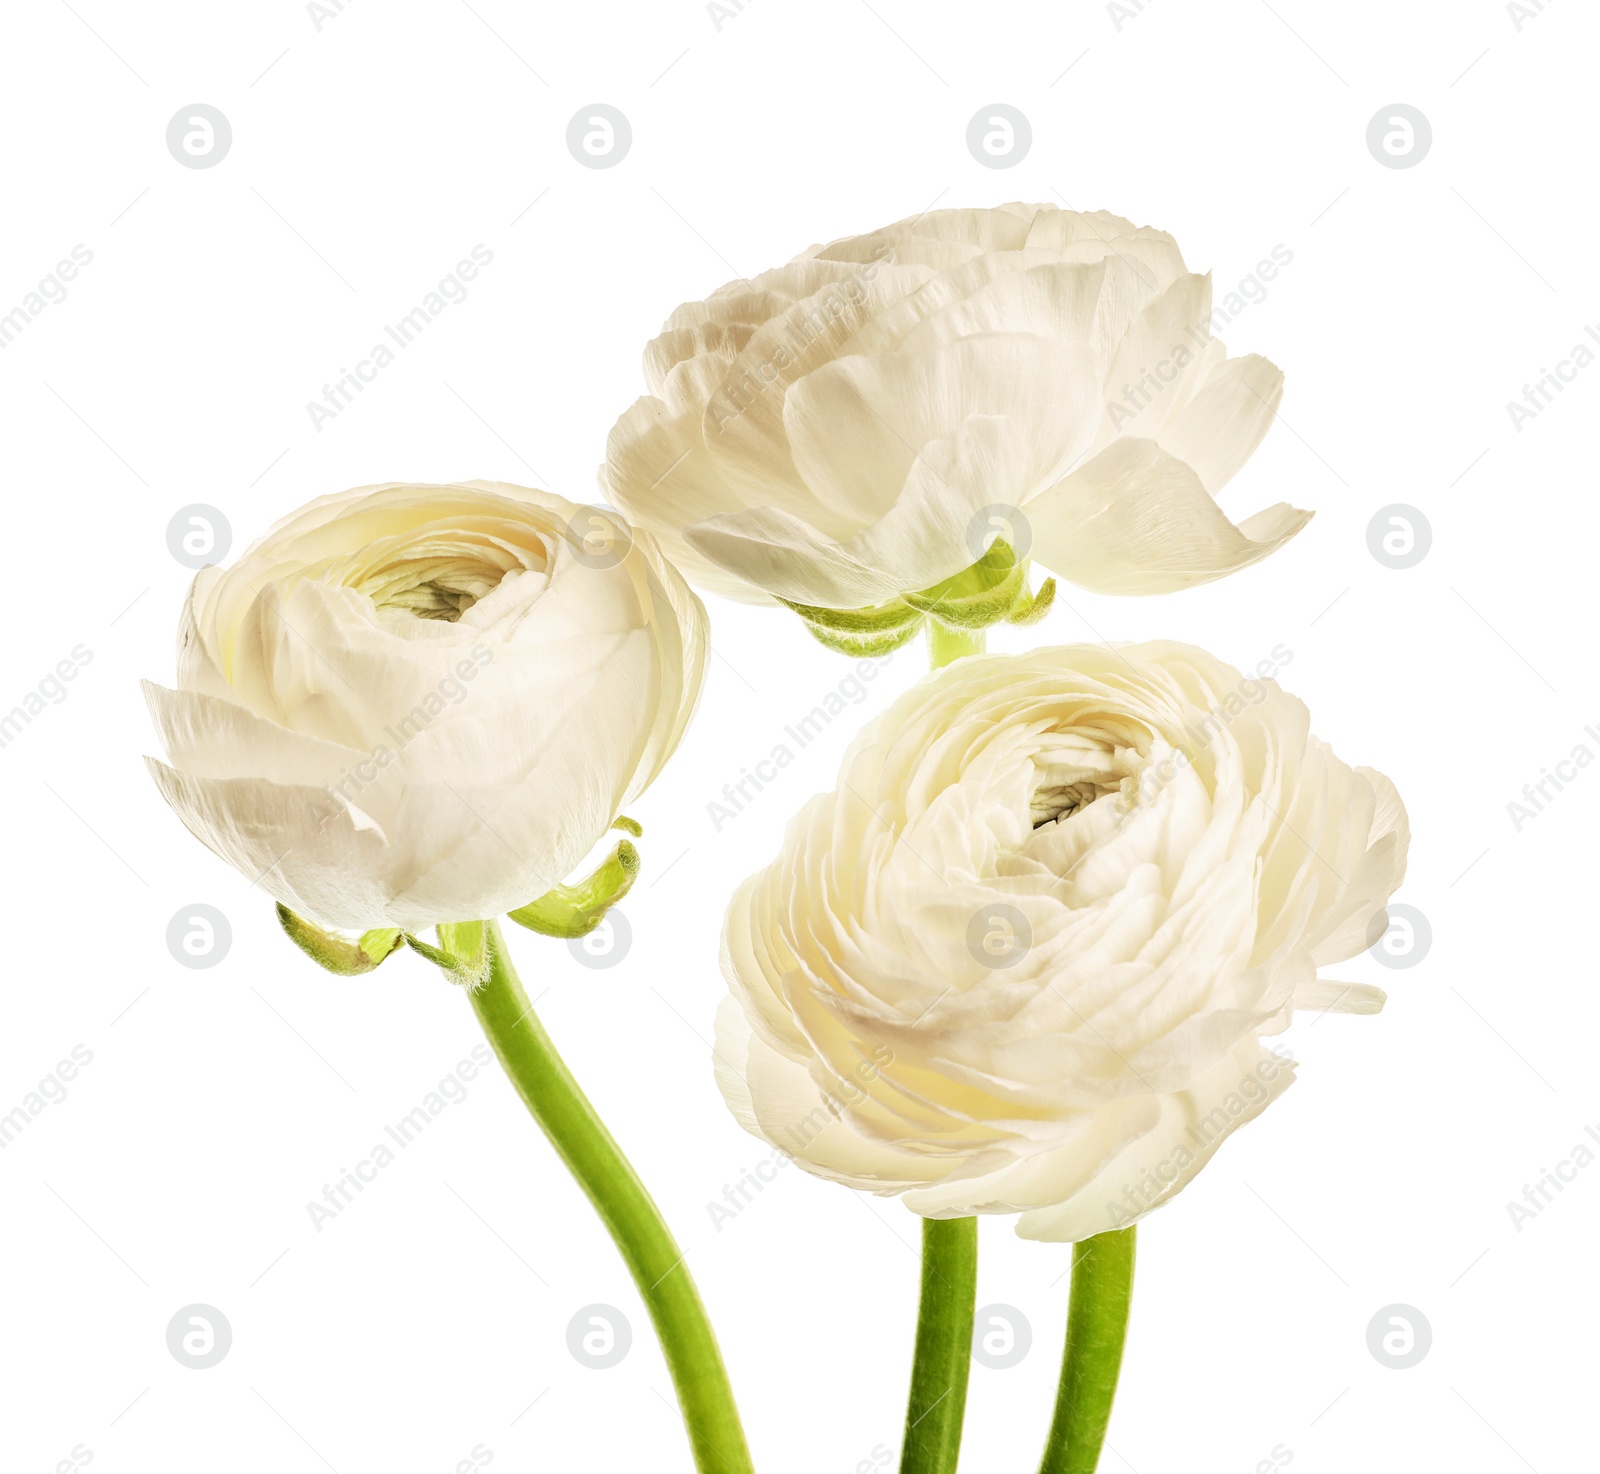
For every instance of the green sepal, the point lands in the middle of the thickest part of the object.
(462, 953)
(338, 954)
(628, 826)
(1031, 608)
(864, 646)
(571, 911)
(380, 942)
(874, 630)
(993, 589)
(978, 596)
(875, 619)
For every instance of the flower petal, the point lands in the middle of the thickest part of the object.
(1136, 520)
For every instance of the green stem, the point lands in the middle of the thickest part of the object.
(1097, 1327)
(564, 1114)
(946, 644)
(938, 1400)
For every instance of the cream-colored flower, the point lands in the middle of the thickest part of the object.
(862, 423)
(1023, 959)
(408, 705)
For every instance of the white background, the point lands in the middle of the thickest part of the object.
(367, 158)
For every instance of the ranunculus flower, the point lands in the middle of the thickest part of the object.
(862, 423)
(1023, 959)
(411, 705)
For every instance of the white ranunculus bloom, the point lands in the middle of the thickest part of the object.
(408, 705)
(861, 423)
(1023, 959)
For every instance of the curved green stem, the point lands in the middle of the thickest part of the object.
(938, 1400)
(635, 1223)
(1097, 1327)
(946, 644)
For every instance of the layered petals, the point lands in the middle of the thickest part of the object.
(877, 402)
(412, 705)
(1024, 958)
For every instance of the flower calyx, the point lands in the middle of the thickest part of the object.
(336, 954)
(991, 591)
(572, 911)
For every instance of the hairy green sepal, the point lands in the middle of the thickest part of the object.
(338, 954)
(462, 954)
(992, 590)
(571, 911)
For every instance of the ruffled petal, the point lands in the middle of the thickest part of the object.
(1135, 520)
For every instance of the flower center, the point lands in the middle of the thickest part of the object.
(1072, 771)
(1055, 801)
(442, 588)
